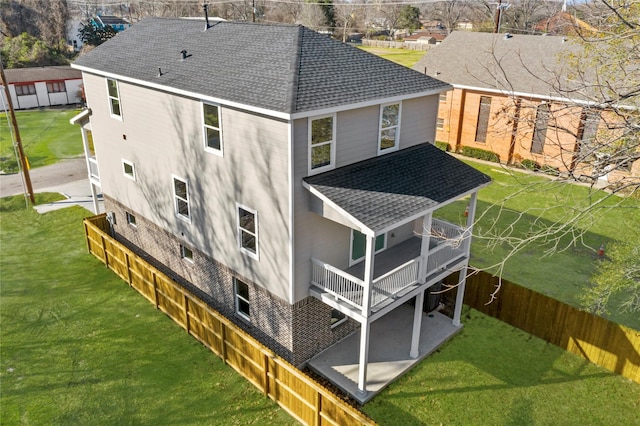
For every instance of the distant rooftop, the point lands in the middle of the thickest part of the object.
(33, 74)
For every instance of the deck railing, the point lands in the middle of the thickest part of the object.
(93, 168)
(395, 281)
(337, 282)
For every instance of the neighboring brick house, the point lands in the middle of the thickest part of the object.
(42, 86)
(264, 165)
(504, 99)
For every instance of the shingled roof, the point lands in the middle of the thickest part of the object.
(526, 64)
(389, 189)
(283, 68)
(33, 74)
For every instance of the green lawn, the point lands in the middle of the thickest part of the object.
(79, 347)
(47, 137)
(564, 274)
(494, 374)
(405, 57)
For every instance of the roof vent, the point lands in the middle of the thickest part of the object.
(564, 39)
(184, 54)
(507, 36)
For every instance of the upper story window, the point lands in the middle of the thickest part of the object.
(25, 89)
(322, 135)
(248, 231)
(114, 98)
(181, 198)
(389, 128)
(440, 123)
(56, 87)
(443, 97)
(129, 169)
(212, 129)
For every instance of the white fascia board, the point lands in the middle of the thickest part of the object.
(372, 102)
(79, 118)
(563, 99)
(144, 83)
(364, 229)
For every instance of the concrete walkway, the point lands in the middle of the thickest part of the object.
(67, 177)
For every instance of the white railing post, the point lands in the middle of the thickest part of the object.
(424, 247)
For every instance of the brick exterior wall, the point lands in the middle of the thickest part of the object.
(295, 332)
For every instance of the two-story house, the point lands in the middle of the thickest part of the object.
(288, 178)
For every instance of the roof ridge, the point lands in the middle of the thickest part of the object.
(295, 69)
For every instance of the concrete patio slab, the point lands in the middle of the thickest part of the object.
(389, 346)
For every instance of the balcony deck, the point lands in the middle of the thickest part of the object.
(396, 269)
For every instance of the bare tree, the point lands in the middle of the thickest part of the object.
(450, 12)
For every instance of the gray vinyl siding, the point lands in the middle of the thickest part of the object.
(356, 140)
(164, 138)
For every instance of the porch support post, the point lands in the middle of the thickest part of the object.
(424, 247)
(366, 307)
(462, 278)
(417, 323)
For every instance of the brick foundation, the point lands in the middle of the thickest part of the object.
(295, 332)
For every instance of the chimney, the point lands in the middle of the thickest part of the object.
(206, 16)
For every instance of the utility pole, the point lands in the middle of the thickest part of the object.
(14, 123)
(496, 26)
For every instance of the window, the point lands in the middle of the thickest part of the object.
(212, 133)
(589, 123)
(483, 119)
(129, 169)
(359, 245)
(114, 98)
(440, 123)
(443, 97)
(56, 87)
(131, 219)
(248, 231)
(242, 299)
(321, 143)
(540, 129)
(389, 128)
(181, 198)
(186, 253)
(337, 318)
(25, 89)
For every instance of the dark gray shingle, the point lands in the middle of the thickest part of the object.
(283, 68)
(384, 190)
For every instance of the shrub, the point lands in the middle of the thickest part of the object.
(554, 171)
(529, 165)
(443, 146)
(481, 154)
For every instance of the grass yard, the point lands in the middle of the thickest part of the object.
(47, 137)
(494, 374)
(565, 274)
(405, 57)
(80, 347)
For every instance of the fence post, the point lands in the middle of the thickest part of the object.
(265, 358)
(155, 290)
(223, 339)
(104, 251)
(318, 416)
(86, 233)
(126, 256)
(186, 313)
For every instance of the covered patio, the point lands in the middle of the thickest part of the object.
(388, 351)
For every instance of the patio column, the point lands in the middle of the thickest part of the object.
(366, 307)
(417, 324)
(424, 247)
(462, 278)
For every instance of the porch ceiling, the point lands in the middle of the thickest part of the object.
(391, 189)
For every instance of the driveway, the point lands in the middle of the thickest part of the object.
(55, 175)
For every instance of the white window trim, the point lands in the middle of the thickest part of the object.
(239, 230)
(237, 298)
(183, 254)
(207, 148)
(128, 217)
(175, 198)
(133, 169)
(397, 127)
(360, 259)
(109, 98)
(332, 142)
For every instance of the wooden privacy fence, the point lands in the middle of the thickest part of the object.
(298, 394)
(600, 341)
